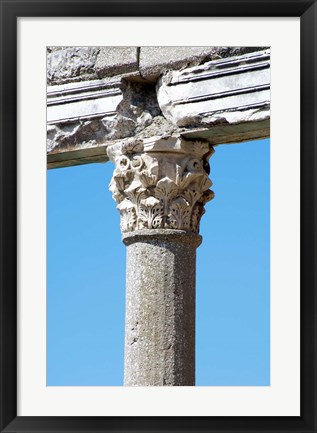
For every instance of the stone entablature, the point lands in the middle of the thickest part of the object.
(161, 183)
(223, 100)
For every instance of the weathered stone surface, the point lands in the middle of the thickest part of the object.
(89, 155)
(82, 101)
(157, 60)
(57, 48)
(97, 113)
(160, 308)
(117, 60)
(220, 92)
(73, 63)
(86, 117)
(161, 183)
(230, 133)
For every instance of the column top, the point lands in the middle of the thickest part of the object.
(162, 236)
(161, 183)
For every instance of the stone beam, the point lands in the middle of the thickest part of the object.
(71, 64)
(229, 97)
(220, 101)
(80, 117)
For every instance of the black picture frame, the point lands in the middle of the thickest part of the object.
(10, 11)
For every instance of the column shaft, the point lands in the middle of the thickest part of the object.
(160, 308)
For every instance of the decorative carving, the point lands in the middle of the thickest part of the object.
(161, 183)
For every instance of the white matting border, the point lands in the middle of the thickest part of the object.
(279, 399)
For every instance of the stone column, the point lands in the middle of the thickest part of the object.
(161, 186)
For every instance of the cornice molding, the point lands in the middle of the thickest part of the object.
(226, 91)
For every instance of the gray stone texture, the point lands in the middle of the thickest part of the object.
(71, 64)
(155, 61)
(160, 308)
(116, 61)
(67, 64)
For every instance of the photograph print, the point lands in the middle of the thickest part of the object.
(158, 216)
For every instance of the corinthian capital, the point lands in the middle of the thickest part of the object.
(161, 183)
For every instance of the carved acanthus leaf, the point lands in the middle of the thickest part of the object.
(165, 191)
(150, 213)
(180, 214)
(128, 216)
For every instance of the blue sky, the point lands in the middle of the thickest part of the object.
(86, 275)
